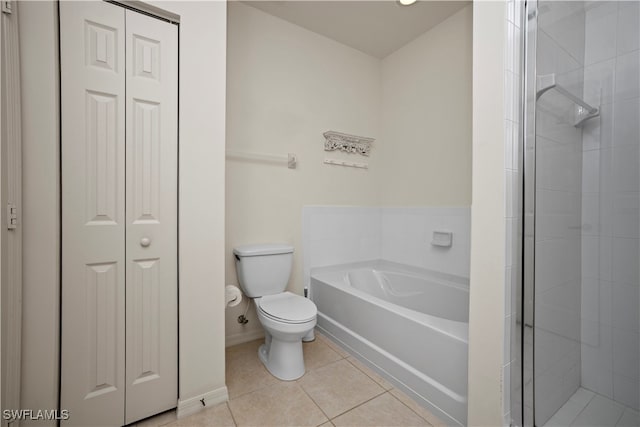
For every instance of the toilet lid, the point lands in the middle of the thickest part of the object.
(288, 307)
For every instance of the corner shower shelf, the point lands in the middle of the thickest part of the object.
(583, 110)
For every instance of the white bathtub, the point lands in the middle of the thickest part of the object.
(409, 324)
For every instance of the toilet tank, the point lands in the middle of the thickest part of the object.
(263, 269)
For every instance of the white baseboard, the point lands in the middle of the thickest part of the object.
(194, 404)
(243, 337)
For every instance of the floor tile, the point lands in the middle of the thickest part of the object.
(247, 347)
(335, 347)
(244, 371)
(384, 410)
(630, 418)
(582, 396)
(370, 373)
(283, 404)
(317, 353)
(158, 420)
(566, 414)
(216, 416)
(338, 387)
(423, 412)
(600, 412)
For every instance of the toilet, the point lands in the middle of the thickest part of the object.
(287, 318)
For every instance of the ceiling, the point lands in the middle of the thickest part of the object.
(377, 28)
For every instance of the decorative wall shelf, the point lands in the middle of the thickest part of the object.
(345, 142)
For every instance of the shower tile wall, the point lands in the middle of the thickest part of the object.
(560, 50)
(610, 203)
(511, 365)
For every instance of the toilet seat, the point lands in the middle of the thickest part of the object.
(287, 307)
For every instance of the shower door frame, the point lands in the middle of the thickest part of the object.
(525, 289)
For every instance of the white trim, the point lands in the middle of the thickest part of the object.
(243, 337)
(11, 193)
(194, 404)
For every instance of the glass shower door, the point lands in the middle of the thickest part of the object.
(582, 214)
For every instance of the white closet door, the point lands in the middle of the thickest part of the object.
(151, 215)
(93, 212)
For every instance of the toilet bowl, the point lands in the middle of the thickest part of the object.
(287, 318)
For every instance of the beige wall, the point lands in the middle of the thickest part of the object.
(426, 116)
(488, 224)
(201, 259)
(286, 86)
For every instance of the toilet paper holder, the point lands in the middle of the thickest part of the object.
(232, 296)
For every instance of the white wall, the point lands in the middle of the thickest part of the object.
(41, 192)
(201, 260)
(426, 116)
(286, 86)
(610, 206)
(488, 224)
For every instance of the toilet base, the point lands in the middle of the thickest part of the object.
(283, 359)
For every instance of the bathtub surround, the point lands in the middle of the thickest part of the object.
(344, 234)
(287, 86)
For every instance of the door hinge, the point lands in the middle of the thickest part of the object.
(12, 216)
(7, 6)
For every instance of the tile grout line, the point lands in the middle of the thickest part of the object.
(352, 360)
(358, 405)
(314, 402)
(411, 409)
(235, 423)
(385, 390)
(370, 370)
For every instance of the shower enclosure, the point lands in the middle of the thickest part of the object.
(578, 302)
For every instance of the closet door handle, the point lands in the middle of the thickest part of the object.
(145, 241)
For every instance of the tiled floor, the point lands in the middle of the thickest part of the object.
(337, 390)
(585, 408)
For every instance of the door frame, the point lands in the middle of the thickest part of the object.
(11, 207)
(525, 311)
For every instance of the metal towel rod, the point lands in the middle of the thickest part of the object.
(290, 159)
